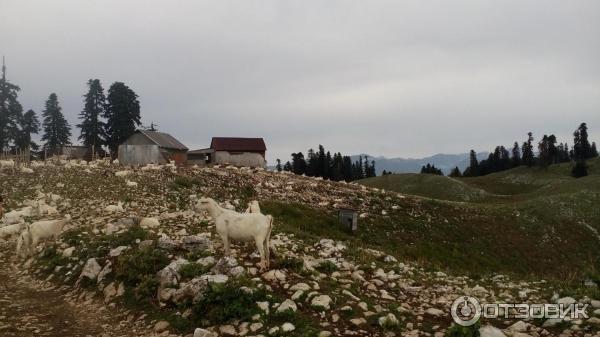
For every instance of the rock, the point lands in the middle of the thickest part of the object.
(566, 301)
(91, 269)
(595, 304)
(224, 265)
(321, 301)
(227, 330)
(161, 326)
(206, 261)
(552, 322)
(434, 312)
(358, 321)
(194, 289)
(195, 242)
(519, 326)
(169, 275)
(264, 306)
(117, 251)
(255, 327)
(68, 252)
(166, 243)
(324, 333)
(594, 321)
(215, 278)
(105, 271)
(300, 286)
(388, 321)
(287, 305)
(204, 333)
(490, 331)
(236, 271)
(109, 292)
(274, 275)
(389, 258)
(287, 327)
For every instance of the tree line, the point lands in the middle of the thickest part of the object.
(105, 120)
(548, 152)
(334, 167)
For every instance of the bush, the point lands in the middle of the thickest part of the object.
(191, 270)
(326, 267)
(133, 266)
(580, 169)
(224, 302)
(147, 288)
(292, 263)
(463, 331)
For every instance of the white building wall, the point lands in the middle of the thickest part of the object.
(239, 159)
(139, 155)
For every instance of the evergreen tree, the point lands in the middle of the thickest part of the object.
(594, 151)
(528, 158)
(10, 111)
(92, 128)
(430, 169)
(473, 169)
(347, 171)
(287, 167)
(56, 128)
(516, 155)
(455, 173)
(298, 163)
(122, 115)
(28, 125)
(580, 169)
(278, 166)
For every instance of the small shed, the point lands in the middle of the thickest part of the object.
(151, 147)
(349, 218)
(232, 151)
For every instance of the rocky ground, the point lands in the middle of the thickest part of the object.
(110, 275)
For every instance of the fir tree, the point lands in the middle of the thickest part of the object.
(594, 151)
(298, 163)
(528, 158)
(92, 128)
(455, 173)
(516, 155)
(287, 167)
(56, 128)
(278, 166)
(10, 111)
(28, 125)
(473, 169)
(122, 115)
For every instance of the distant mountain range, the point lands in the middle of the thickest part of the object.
(445, 162)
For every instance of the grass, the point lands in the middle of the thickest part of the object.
(135, 265)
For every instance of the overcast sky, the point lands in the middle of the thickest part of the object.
(393, 78)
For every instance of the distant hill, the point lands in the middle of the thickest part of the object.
(445, 162)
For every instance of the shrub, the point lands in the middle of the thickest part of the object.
(147, 288)
(292, 263)
(191, 270)
(326, 267)
(224, 302)
(132, 266)
(463, 331)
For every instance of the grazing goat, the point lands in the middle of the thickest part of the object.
(253, 207)
(114, 208)
(11, 230)
(7, 164)
(130, 183)
(39, 231)
(236, 226)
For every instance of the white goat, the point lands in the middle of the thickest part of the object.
(236, 226)
(26, 170)
(130, 183)
(253, 207)
(115, 208)
(148, 222)
(7, 164)
(39, 231)
(11, 230)
(122, 173)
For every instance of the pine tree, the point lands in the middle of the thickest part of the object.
(287, 167)
(580, 169)
(347, 170)
(278, 166)
(10, 111)
(528, 158)
(28, 125)
(473, 169)
(455, 173)
(298, 163)
(594, 151)
(516, 155)
(56, 128)
(92, 128)
(122, 115)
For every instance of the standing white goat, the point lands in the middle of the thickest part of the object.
(253, 207)
(236, 226)
(39, 231)
(7, 164)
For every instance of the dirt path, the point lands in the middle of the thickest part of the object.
(29, 307)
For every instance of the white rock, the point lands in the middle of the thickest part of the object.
(566, 301)
(117, 251)
(321, 301)
(287, 305)
(264, 306)
(490, 331)
(68, 252)
(204, 333)
(434, 312)
(215, 278)
(388, 321)
(91, 269)
(287, 327)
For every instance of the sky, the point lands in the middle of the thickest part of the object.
(392, 78)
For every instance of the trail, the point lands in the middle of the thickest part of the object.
(29, 307)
